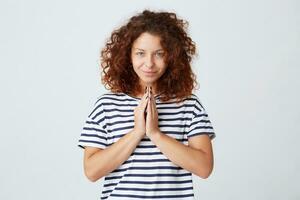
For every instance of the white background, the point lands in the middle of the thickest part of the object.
(248, 68)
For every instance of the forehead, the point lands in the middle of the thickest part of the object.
(147, 41)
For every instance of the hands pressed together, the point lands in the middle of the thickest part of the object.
(146, 115)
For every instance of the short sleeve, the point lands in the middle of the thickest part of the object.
(93, 133)
(200, 122)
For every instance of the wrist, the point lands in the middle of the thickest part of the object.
(137, 133)
(154, 137)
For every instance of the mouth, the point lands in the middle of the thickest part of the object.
(149, 73)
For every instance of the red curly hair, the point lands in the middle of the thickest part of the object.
(177, 82)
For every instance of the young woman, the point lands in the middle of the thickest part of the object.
(150, 132)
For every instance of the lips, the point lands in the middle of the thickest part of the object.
(150, 74)
(148, 71)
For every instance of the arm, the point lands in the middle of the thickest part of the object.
(196, 158)
(100, 162)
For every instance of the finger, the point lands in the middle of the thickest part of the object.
(149, 92)
(152, 104)
(149, 105)
(149, 98)
(144, 101)
(145, 95)
(147, 112)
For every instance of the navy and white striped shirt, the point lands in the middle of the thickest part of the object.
(147, 174)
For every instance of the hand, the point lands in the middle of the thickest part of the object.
(152, 117)
(139, 116)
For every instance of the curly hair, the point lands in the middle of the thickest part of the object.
(177, 82)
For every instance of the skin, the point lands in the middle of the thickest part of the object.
(147, 55)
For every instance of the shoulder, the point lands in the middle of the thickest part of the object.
(195, 99)
(110, 96)
(104, 101)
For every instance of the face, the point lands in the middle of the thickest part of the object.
(147, 56)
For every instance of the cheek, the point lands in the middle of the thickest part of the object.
(162, 65)
(136, 66)
(137, 63)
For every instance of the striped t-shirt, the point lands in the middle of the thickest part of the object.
(147, 174)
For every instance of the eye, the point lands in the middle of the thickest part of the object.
(139, 53)
(159, 54)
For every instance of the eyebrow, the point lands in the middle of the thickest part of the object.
(144, 50)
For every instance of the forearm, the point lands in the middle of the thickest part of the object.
(193, 160)
(105, 161)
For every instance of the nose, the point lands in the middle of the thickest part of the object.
(149, 61)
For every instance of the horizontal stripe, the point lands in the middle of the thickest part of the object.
(154, 189)
(146, 160)
(93, 135)
(147, 153)
(150, 175)
(94, 129)
(156, 175)
(153, 197)
(202, 127)
(147, 168)
(149, 183)
(91, 141)
(200, 121)
(156, 182)
(160, 126)
(160, 120)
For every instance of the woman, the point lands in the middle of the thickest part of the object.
(150, 133)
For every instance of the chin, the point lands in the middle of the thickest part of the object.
(149, 80)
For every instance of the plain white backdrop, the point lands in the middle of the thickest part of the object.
(248, 68)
